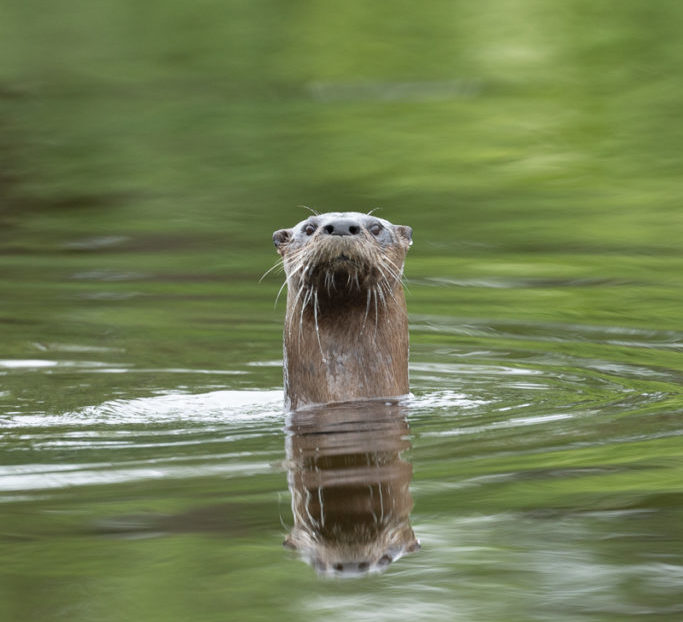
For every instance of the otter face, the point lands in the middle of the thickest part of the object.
(343, 252)
(351, 225)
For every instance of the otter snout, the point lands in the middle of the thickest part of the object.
(341, 226)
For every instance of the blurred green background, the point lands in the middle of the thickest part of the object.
(522, 124)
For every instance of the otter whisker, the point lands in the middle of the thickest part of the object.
(398, 271)
(309, 295)
(288, 280)
(374, 295)
(367, 310)
(294, 305)
(278, 264)
(384, 278)
(279, 291)
(392, 272)
(307, 298)
(397, 267)
(398, 306)
(310, 209)
(398, 281)
(384, 284)
(381, 275)
(317, 327)
(293, 268)
(380, 293)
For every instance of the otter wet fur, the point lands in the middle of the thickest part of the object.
(346, 326)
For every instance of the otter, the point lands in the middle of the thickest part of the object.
(346, 326)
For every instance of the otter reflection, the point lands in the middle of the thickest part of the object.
(350, 488)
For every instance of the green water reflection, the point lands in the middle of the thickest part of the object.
(147, 152)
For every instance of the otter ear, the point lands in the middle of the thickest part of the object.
(405, 234)
(281, 238)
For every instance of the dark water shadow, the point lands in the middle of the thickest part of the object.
(350, 487)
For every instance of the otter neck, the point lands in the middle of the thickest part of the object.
(345, 347)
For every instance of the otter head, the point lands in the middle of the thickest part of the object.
(342, 253)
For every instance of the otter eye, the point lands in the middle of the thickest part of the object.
(309, 229)
(376, 229)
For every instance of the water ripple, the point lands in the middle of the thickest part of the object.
(213, 407)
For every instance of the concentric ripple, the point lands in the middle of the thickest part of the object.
(172, 435)
(568, 384)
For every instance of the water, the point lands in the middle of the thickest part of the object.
(147, 469)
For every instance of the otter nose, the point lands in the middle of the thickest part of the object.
(342, 227)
